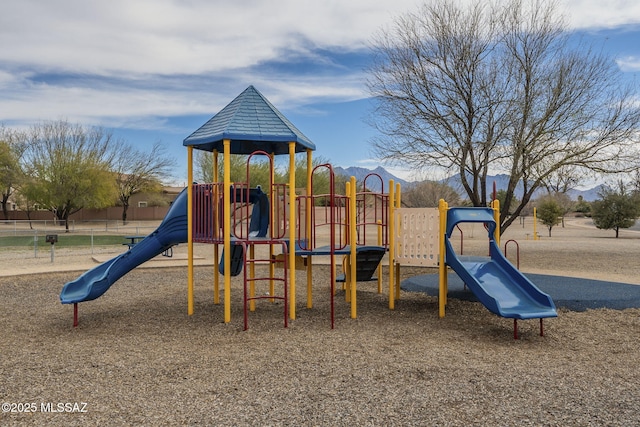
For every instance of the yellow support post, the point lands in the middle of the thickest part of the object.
(292, 230)
(442, 295)
(392, 237)
(190, 230)
(535, 224)
(352, 241)
(496, 215)
(227, 229)
(392, 283)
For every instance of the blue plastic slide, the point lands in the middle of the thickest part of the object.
(95, 282)
(494, 280)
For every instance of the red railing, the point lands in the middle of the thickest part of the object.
(372, 213)
(209, 208)
(517, 251)
(323, 214)
(327, 212)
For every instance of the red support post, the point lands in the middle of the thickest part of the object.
(333, 291)
(75, 314)
(515, 329)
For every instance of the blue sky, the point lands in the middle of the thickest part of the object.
(156, 70)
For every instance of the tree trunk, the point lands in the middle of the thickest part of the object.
(66, 220)
(125, 207)
(5, 211)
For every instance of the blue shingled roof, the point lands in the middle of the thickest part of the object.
(252, 123)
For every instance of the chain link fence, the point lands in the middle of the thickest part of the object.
(28, 239)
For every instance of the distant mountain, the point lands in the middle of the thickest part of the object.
(501, 180)
(588, 195)
(373, 183)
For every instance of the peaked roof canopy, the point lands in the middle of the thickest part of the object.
(252, 123)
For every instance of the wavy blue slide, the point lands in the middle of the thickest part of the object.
(95, 282)
(494, 280)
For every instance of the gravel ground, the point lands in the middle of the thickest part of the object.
(137, 358)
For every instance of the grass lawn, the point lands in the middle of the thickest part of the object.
(64, 240)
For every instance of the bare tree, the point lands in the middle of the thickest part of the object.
(138, 172)
(563, 179)
(635, 182)
(559, 182)
(427, 194)
(501, 87)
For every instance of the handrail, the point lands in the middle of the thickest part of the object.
(517, 251)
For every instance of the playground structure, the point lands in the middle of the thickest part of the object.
(360, 226)
(250, 125)
(236, 217)
(328, 225)
(494, 280)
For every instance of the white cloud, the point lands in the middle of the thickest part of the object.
(601, 14)
(161, 58)
(200, 36)
(629, 63)
(167, 37)
(192, 37)
(164, 58)
(127, 104)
